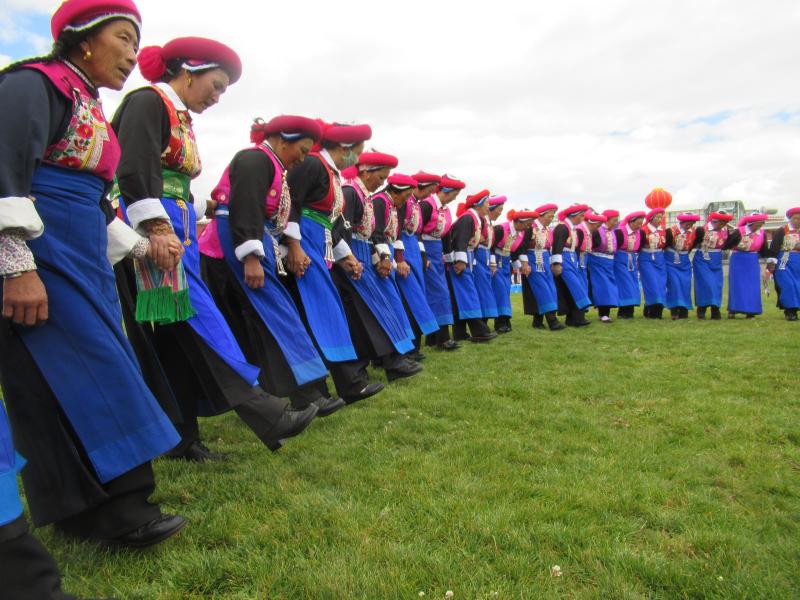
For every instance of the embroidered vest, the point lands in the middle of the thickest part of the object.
(440, 221)
(413, 224)
(181, 153)
(541, 241)
(630, 242)
(751, 242)
(572, 238)
(608, 241)
(366, 226)
(586, 244)
(656, 239)
(509, 240)
(392, 228)
(682, 241)
(791, 243)
(487, 233)
(89, 144)
(333, 201)
(712, 240)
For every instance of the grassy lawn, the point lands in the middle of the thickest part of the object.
(645, 459)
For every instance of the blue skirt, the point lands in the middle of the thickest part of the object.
(626, 274)
(654, 277)
(583, 268)
(82, 351)
(412, 291)
(708, 279)
(436, 290)
(465, 293)
(413, 257)
(383, 299)
(604, 286)
(574, 280)
(744, 283)
(10, 465)
(542, 284)
(274, 305)
(501, 285)
(482, 273)
(679, 280)
(788, 280)
(321, 301)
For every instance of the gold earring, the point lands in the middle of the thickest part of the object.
(87, 56)
(190, 81)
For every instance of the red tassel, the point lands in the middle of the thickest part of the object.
(462, 208)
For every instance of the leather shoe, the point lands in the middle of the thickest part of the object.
(365, 392)
(502, 329)
(487, 337)
(151, 533)
(328, 406)
(579, 323)
(449, 345)
(291, 423)
(416, 355)
(404, 369)
(197, 452)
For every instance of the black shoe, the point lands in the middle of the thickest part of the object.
(502, 329)
(197, 452)
(416, 355)
(377, 363)
(715, 314)
(749, 316)
(701, 313)
(404, 369)
(328, 406)
(486, 337)
(461, 337)
(291, 423)
(555, 325)
(449, 345)
(369, 389)
(579, 323)
(149, 534)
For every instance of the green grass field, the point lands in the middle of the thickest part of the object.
(645, 459)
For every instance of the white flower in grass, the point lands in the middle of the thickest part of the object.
(555, 571)
(422, 594)
(720, 578)
(449, 594)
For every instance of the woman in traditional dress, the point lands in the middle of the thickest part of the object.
(539, 295)
(242, 262)
(485, 266)
(680, 241)
(602, 285)
(652, 269)
(707, 264)
(626, 263)
(79, 409)
(785, 250)
(206, 369)
(436, 223)
(573, 294)
(511, 240)
(748, 244)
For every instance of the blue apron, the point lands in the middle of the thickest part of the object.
(82, 350)
(382, 298)
(654, 277)
(436, 284)
(573, 279)
(501, 285)
(274, 305)
(482, 273)
(787, 276)
(626, 274)
(411, 288)
(604, 285)
(465, 292)
(708, 278)
(323, 306)
(679, 280)
(413, 257)
(744, 283)
(542, 283)
(10, 464)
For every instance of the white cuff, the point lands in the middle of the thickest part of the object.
(144, 210)
(20, 213)
(774, 261)
(283, 251)
(382, 249)
(293, 231)
(460, 257)
(342, 250)
(555, 259)
(399, 245)
(517, 264)
(421, 247)
(121, 240)
(375, 259)
(492, 260)
(448, 258)
(200, 208)
(522, 258)
(242, 251)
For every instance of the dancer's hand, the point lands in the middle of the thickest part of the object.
(556, 269)
(525, 269)
(25, 300)
(384, 268)
(351, 264)
(253, 272)
(297, 260)
(403, 269)
(459, 267)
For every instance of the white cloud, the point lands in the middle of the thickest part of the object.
(522, 98)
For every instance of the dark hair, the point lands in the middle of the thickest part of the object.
(66, 43)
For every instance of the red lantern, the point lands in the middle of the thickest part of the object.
(658, 198)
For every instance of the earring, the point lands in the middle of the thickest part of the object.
(190, 81)
(87, 56)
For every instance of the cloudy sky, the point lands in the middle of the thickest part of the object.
(542, 101)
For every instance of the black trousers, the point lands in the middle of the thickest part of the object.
(27, 571)
(60, 484)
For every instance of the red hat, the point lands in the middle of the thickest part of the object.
(546, 208)
(346, 135)
(377, 160)
(595, 218)
(477, 199)
(688, 218)
(401, 182)
(424, 178)
(288, 127)
(198, 54)
(522, 215)
(755, 218)
(349, 172)
(653, 213)
(793, 211)
(496, 201)
(451, 183)
(720, 216)
(80, 15)
(610, 213)
(639, 214)
(575, 209)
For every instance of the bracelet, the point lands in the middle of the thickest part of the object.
(15, 274)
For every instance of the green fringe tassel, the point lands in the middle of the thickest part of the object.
(183, 307)
(160, 305)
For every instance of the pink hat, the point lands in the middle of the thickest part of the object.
(198, 52)
(755, 218)
(80, 15)
(688, 218)
(401, 182)
(496, 201)
(610, 213)
(653, 213)
(546, 208)
(595, 218)
(639, 214)
(570, 211)
(793, 211)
